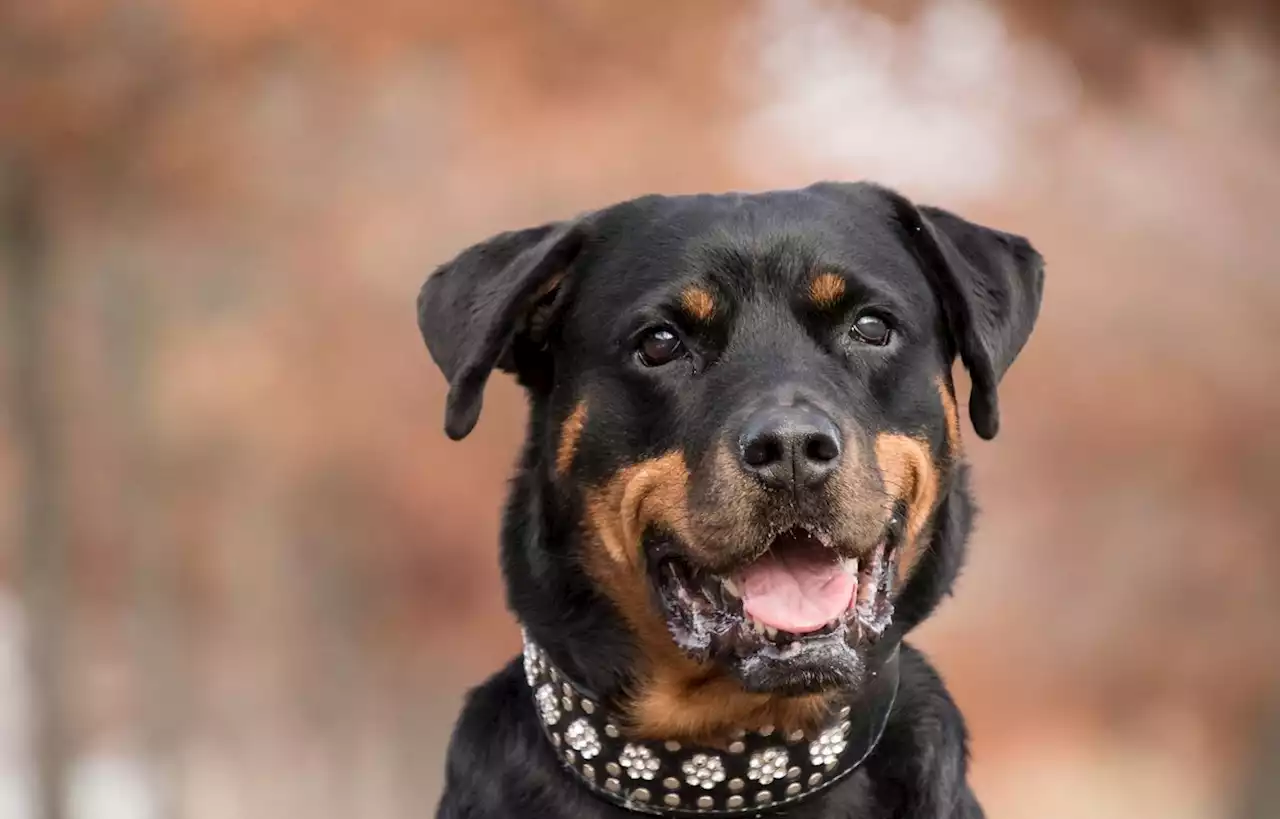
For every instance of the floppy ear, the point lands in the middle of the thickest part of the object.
(474, 310)
(990, 283)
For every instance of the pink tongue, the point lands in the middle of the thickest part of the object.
(800, 590)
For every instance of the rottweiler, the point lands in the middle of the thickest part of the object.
(743, 484)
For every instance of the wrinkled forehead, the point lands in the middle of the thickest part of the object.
(717, 253)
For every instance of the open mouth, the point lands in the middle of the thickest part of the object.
(799, 594)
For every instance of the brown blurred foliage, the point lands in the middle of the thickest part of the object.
(254, 577)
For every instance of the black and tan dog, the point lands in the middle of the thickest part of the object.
(742, 486)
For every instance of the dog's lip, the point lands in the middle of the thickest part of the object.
(711, 601)
(732, 565)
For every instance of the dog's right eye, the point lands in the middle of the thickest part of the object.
(659, 346)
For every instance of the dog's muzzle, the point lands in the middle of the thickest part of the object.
(756, 772)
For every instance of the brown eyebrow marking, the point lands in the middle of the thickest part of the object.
(698, 303)
(826, 290)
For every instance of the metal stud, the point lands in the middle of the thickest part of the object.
(766, 730)
(737, 747)
(845, 712)
(793, 789)
(794, 736)
(611, 730)
(671, 783)
(641, 795)
(734, 802)
(815, 780)
(764, 798)
(736, 784)
(671, 799)
(588, 706)
(793, 772)
(705, 802)
(612, 785)
(739, 734)
(567, 689)
(567, 703)
(671, 745)
(589, 772)
(555, 740)
(613, 769)
(571, 756)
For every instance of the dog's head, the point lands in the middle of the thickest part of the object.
(744, 428)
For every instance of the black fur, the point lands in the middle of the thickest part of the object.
(557, 305)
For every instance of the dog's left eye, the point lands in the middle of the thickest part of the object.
(659, 346)
(872, 329)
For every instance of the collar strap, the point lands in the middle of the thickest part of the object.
(756, 771)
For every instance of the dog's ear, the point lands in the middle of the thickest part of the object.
(475, 310)
(990, 284)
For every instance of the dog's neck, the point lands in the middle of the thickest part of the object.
(753, 770)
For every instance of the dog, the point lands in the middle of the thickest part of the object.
(743, 484)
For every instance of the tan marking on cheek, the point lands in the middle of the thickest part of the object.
(570, 433)
(910, 476)
(954, 445)
(826, 290)
(698, 303)
(674, 697)
(650, 492)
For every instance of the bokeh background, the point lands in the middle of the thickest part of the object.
(243, 573)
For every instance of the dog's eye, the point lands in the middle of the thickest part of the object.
(660, 346)
(872, 329)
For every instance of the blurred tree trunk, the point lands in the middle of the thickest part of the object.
(42, 551)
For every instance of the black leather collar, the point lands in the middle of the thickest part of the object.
(758, 771)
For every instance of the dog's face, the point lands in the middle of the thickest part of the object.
(743, 407)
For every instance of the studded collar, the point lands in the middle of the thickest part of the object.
(758, 771)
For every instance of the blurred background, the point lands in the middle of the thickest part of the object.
(244, 574)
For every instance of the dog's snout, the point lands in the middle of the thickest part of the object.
(793, 447)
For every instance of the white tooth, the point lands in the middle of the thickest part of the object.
(771, 632)
(731, 587)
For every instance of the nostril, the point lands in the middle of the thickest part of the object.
(821, 448)
(762, 451)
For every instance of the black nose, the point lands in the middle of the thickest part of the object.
(790, 446)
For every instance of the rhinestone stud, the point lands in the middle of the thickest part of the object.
(583, 738)
(548, 707)
(703, 771)
(639, 761)
(767, 765)
(827, 748)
